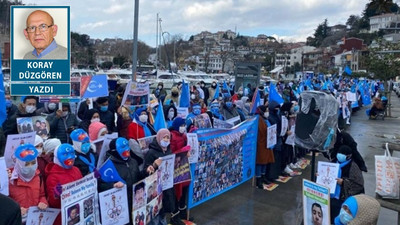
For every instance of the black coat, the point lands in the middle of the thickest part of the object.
(107, 118)
(81, 165)
(155, 152)
(10, 211)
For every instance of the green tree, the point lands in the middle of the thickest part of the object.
(377, 7)
(384, 63)
(320, 34)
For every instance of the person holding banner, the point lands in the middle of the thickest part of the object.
(274, 169)
(59, 172)
(160, 147)
(25, 109)
(173, 97)
(126, 166)
(228, 109)
(62, 123)
(140, 127)
(123, 120)
(264, 155)
(25, 185)
(106, 113)
(170, 113)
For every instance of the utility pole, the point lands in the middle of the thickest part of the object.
(135, 40)
(157, 43)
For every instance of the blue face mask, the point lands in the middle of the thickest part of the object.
(66, 156)
(341, 157)
(196, 111)
(228, 104)
(104, 108)
(85, 147)
(345, 217)
(296, 108)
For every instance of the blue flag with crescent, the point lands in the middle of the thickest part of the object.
(159, 122)
(109, 173)
(184, 100)
(97, 86)
(3, 112)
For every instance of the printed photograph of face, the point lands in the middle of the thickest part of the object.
(35, 29)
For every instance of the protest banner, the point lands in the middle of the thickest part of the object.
(271, 136)
(105, 147)
(202, 121)
(234, 121)
(327, 174)
(41, 126)
(147, 198)
(221, 124)
(3, 177)
(24, 125)
(351, 97)
(145, 142)
(285, 125)
(79, 202)
(182, 112)
(316, 208)
(136, 94)
(13, 142)
(291, 138)
(181, 167)
(220, 151)
(193, 142)
(114, 206)
(167, 171)
(37, 216)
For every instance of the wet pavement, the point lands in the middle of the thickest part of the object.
(283, 206)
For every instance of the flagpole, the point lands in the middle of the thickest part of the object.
(135, 40)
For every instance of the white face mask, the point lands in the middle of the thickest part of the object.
(164, 143)
(171, 115)
(182, 130)
(64, 113)
(30, 108)
(266, 114)
(95, 120)
(193, 96)
(52, 106)
(28, 171)
(40, 150)
(143, 118)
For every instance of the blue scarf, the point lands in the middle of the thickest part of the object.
(90, 164)
(338, 188)
(146, 129)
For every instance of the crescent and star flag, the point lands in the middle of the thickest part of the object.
(109, 173)
(159, 122)
(185, 94)
(94, 86)
(274, 96)
(3, 112)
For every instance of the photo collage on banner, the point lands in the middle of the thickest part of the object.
(181, 168)
(37, 216)
(114, 206)
(147, 198)
(79, 202)
(37, 124)
(226, 159)
(145, 142)
(221, 124)
(202, 121)
(13, 142)
(316, 208)
(136, 94)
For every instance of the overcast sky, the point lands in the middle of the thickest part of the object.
(290, 20)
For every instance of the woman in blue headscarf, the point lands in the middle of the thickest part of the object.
(359, 210)
(140, 127)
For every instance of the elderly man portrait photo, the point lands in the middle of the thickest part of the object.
(41, 32)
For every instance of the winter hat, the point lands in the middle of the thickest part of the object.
(38, 141)
(273, 105)
(178, 121)
(161, 134)
(95, 129)
(138, 112)
(50, 145)
(239, 104)
(101, 100)
(64, 156)
(25, 153)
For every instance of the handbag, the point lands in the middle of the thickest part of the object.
(387, 171)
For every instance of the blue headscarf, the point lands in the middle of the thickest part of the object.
(146, 129)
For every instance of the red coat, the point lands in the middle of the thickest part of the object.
(178, 141)
(134, 131)
(28, 194)
(58, 175)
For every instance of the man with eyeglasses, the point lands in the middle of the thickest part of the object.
(40, 31)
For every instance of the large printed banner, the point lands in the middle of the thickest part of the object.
(315, 203)
(226, 160)
(79, 202)
(136, 94)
